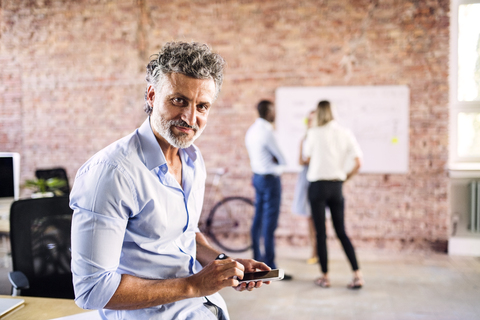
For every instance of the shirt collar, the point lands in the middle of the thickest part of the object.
(152, 152)
(330, 123)
(264, 123)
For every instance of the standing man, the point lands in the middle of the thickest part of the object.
(137, 252)
(266, 160)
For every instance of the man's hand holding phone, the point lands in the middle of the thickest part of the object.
(264, 276)
(250, 267)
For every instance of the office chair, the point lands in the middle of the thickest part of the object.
(40, 238)
(54, 173)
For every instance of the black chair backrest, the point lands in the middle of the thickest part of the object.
(60, 173)
(40, 232)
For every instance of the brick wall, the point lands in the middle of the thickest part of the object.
(72, 81)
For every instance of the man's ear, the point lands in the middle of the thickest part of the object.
(151, 95)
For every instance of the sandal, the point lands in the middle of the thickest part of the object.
(323, 282)
(313, 260)
(356, 283)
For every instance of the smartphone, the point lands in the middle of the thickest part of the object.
(275, 274)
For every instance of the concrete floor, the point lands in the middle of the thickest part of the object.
(398, 286)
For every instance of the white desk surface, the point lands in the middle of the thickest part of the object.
(44, 308)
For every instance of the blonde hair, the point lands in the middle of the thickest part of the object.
(324, 113)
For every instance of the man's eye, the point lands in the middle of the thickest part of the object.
(177, 100)
(203, 107)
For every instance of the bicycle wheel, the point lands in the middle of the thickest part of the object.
(228, 223)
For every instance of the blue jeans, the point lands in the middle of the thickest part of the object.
(268, 191)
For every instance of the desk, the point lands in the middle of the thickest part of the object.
(4, 226)
(5, 204)
(42, 309)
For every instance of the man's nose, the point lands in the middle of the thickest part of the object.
(189, 115)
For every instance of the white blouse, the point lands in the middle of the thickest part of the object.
(332, 150)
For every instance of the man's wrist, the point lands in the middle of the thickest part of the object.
(190, 287)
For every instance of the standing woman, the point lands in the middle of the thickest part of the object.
(329, 148)
(301, 205)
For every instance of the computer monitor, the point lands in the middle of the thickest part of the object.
(9, 176)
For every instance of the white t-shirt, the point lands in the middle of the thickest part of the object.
(262, 147)
(331, 148)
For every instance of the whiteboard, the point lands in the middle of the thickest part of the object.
(378, 116)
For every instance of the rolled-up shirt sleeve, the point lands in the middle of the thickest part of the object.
(353, 148)
(102, 199)
(275, 149)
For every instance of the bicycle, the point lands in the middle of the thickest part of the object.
(229, 220)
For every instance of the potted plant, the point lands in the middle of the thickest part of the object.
(46, 187)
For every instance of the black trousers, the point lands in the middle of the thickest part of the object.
(329, 193)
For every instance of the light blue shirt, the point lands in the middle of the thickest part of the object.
(132, 217)
(262, 147)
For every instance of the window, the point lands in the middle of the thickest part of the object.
(465, 83)
(468, 52)
(468, 142)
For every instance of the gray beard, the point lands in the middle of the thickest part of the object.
(163, 127)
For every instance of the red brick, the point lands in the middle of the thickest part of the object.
(72, 81)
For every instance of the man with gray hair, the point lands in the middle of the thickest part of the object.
(137, 252)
